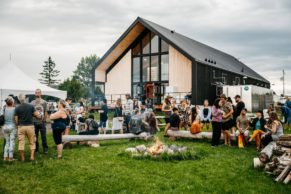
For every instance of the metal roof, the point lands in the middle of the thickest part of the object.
(195, 50)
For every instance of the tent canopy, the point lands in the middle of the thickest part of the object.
(14, 81)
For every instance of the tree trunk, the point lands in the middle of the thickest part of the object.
(266, 154)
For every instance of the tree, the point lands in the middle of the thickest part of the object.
(84, 71)
(74, 88)
(49, 74)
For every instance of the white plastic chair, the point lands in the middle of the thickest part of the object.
(117, 125)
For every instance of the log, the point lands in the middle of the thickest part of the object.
(74, 138)
(288, 178)
(201, 135)
(284, 143)
(286, 137)
(283, 174)
(258, 163)
(266, 154)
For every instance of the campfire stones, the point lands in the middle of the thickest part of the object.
(141, 148)
(155, 151)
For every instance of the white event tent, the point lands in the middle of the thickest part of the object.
(14, 81)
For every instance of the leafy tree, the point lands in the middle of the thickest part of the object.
(84, 71)
(50, 73)
(74, 88)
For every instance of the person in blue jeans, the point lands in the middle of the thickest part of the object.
(103, 115)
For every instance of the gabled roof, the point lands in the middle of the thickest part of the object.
(192, 49)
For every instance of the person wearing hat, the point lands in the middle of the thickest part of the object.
(226, 118)
(240, 105)
(258, 125)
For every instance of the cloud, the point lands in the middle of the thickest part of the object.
(256, 32)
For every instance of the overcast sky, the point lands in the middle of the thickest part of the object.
(257, 32)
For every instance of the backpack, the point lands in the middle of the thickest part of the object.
(93, 125)
(135, 125)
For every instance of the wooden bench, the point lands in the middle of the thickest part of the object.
(201, 135)
(79, 138)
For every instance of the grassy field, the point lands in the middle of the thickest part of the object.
(104, 170)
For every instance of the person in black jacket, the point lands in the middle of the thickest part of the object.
(258, 125)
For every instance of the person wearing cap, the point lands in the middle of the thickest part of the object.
(243, 125)
(240, 105)
(226, 118)
(258, 125)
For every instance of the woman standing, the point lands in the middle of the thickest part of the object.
(216, 123)
(167, 109)
(60, 121)
(274, 128)
(118, 108)
(9, 129)
(205, 115)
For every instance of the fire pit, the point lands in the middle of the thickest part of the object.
(160, 151)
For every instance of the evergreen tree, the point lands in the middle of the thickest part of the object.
(50, 73)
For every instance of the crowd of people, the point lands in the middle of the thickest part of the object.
(226, 118)
(29, 120)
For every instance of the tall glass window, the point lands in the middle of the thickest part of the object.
(164, 47)
(155, 68)
(146, 44)
(150, 60)
(145, 69)
(164, 67)
(154, 43)
(136, 50)
(136, 69)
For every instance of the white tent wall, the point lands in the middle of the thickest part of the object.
(14, 81)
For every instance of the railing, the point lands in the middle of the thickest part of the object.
(112, 98)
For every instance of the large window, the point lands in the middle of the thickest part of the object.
(145, 69)
(155, 68)
(165, 67)
(136, 69)
(150, 62)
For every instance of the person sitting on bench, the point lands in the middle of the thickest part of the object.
(174, 120)
(242, 123)
(91, 128)
(258, 125)
(136, 124)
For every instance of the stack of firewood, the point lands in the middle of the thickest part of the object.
(276, 159)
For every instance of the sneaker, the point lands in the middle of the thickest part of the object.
(95, 145)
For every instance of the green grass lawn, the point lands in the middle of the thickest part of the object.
(104, 170)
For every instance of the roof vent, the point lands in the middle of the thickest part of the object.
(206, 59)
(209, 60)
(214, 62)
(172, 31)
(242, 69)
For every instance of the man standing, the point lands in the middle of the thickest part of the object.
(40, 106)
(24, 114)
(240, 105)
(128, 110)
